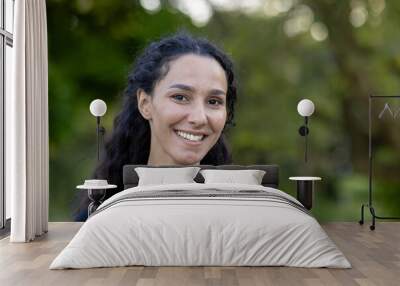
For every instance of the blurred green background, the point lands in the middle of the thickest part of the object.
(335, 53)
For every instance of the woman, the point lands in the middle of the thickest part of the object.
(179, 99)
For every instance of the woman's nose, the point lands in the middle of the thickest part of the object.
(197, 115)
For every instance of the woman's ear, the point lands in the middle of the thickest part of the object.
(144, 104)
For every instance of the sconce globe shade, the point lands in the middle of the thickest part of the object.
(98, 107)
(305, 107)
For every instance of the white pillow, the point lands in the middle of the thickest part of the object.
(249, 177)
(162, 176)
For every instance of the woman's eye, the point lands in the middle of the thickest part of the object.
(179, 97)
(215, 102)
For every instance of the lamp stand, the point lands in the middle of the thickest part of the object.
(100, 131)
(303, 130)
(306, 142)
(98, 137)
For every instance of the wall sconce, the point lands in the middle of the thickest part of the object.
(305, 108)
(98, 108)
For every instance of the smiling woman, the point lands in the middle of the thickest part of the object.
(179, 100)
(186, 111)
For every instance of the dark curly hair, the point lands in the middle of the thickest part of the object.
(130, 140)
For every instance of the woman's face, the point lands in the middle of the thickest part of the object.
(187, 110)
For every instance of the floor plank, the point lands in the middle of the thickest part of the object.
(374, 255)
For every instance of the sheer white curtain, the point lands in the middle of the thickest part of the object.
(27, 147)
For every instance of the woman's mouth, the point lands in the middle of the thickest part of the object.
(190, 136)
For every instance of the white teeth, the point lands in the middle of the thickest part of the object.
(189, 136)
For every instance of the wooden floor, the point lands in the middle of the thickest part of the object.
(374, 255)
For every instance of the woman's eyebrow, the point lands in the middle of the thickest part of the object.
(217, 91)
(214, 91)
(182, 86)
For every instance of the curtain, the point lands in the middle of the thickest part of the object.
(27, 147)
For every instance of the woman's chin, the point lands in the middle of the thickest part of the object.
(188, 160)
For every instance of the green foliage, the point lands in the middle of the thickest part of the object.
(92, 45)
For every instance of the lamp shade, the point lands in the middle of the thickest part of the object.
(98, 107)
(305, 107)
